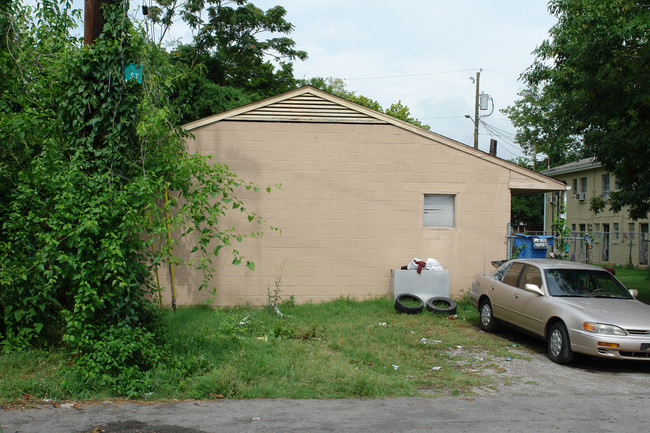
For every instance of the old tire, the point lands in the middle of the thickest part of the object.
(441, 305)
(414, 306)
(558, 344)
(486, 317)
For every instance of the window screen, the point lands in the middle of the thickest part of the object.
(438, 210)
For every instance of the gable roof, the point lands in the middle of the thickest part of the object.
(572, 167)
(309, 104)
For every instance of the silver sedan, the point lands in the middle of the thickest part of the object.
(572, 306)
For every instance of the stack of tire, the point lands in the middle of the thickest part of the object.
(412, 304)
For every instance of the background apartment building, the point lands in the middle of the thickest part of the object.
(610, 237)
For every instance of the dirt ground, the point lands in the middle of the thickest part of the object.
(530, 372)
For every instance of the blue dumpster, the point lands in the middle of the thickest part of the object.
(531, 246)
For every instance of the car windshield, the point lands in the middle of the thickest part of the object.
(584, 283)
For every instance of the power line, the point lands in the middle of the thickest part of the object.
(504, 137)
(447, 117)
(409, 75)
(428, 73)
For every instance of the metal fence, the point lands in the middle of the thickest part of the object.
(620, 248)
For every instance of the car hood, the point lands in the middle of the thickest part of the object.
(626, 313)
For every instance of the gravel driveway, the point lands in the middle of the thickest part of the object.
(530, 372)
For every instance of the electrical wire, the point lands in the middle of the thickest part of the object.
(429, 73)
(504, 138)
(409, 75)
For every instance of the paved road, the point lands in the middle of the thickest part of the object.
(534, 395)
(513, 413)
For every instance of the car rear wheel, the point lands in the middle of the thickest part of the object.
(559, 346)
(488, 322)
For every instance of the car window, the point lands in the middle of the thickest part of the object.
(512, 275)
(498, 275)
(584, 283)
(531, 275)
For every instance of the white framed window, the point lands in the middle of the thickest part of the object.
(439, 210)
(616, 232)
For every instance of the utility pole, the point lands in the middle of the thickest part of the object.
(478, 77)
(93, 19)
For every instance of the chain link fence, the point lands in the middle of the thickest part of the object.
(619, 248)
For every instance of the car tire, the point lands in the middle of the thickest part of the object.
(486, 317)
(558, 344)
(441, 305)
(408, 309)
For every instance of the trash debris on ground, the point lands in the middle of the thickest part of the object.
(277, 311)
(436, 368)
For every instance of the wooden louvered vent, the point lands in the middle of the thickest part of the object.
(306, 108)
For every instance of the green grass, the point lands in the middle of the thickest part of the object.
(635, 279)
(338, 349)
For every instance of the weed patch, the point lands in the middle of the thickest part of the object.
(338, 349)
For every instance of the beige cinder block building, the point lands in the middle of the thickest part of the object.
(362, 193)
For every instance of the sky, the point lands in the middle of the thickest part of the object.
(422, 53)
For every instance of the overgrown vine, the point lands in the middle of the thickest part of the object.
(86, 159)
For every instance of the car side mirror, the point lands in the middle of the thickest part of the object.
(634, 292)
(533, 288)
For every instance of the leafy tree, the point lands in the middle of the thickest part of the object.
(402, 112)
(227, 43)
(594, 73)
(195, 94)
(87, 159)
(538, 132)
(527, 209)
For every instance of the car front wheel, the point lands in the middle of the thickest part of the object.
(559, 346)
(488, 323)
